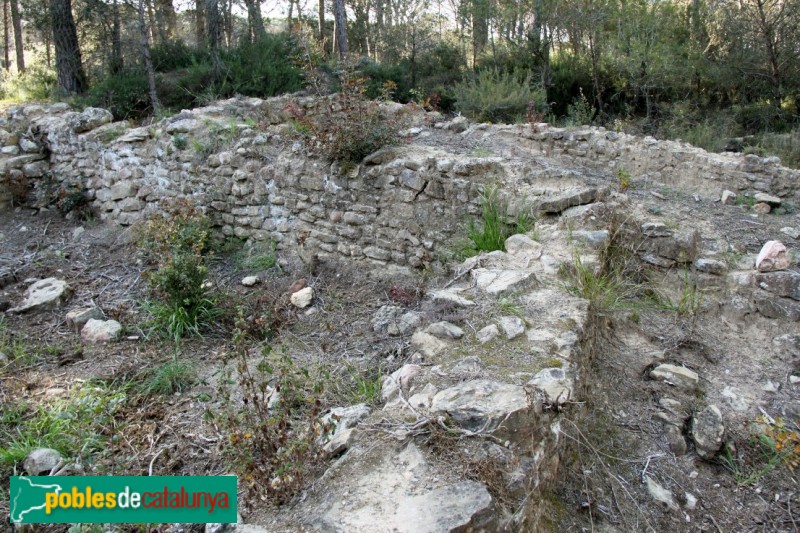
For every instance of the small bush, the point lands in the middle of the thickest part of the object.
(178, 243)
(261, 69)
(496, 96)
(124, 94)
(496, 225)
(175, 55)
(169, 378)
(276, 433)
(353, 127)
(36, 83)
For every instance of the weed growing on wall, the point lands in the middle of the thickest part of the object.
(352, 127)
(495, 226)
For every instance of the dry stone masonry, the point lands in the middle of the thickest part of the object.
(502, 381)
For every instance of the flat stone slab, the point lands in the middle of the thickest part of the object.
(675, 375)
(561, 201)
(485, 405)
(45, 293)
(497, 282)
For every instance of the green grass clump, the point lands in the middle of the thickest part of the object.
(495, 226)
(77, 425)
(169, 378)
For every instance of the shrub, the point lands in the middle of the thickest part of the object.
(261, 69)
(353, 126)
(36, 83)
(124, 94)
(276, 433)
(178, 244)
(174, 55)
(496, 96)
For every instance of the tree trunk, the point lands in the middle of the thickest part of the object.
(376, 43)
(166, 20)
(117, 64)
(255, 19)
(16, 21)
(289, 17)
(148, 60)
(6, 38)
(71, 76)
(200, 22)
(340, 19)
(213, 27)
(321, 15)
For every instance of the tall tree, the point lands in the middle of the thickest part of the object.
(116, 63)
(69, 66)
(144, 34)
(321, 21)
(254, 19)
(166, 20)
(6, 38)
(200, 22)
(214, 30)
(16, 21)
(340, 19)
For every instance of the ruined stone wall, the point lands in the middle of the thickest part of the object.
(240, 160)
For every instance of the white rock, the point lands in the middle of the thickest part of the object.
(728, 197)
(405, 323)
(339, 442)
(774, 201)
(675, 375)
(488, 333)
(77, 318)
(42, 461)
(428, 345)
(523, 245)
(660, 494)
(101, 331)
(772, 257)
(554, 383)
(445, 330)
(497, 282)
(794, 233)
(512, 326)
(249, 281)
(707, 431)
(42, 294)
(486, 405)
(302, 298)
(451, 297)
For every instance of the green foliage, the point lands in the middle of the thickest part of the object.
(353, 126)
(580, 112)
(36, 83)
(366, 385)
(124, 94)
(178, 243)
(261, 69)
(169, 378)
(259, 257)
(174, 55)
(496, 224)
(77, 425)
(496, 96)
(605, 290)
(276, 433)
(179, 141)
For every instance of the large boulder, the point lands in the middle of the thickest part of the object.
(89, 119)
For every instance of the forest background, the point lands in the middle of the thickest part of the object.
(721, 74)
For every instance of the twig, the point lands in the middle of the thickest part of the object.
(153, 460)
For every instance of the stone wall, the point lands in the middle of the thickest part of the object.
(240, 161)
